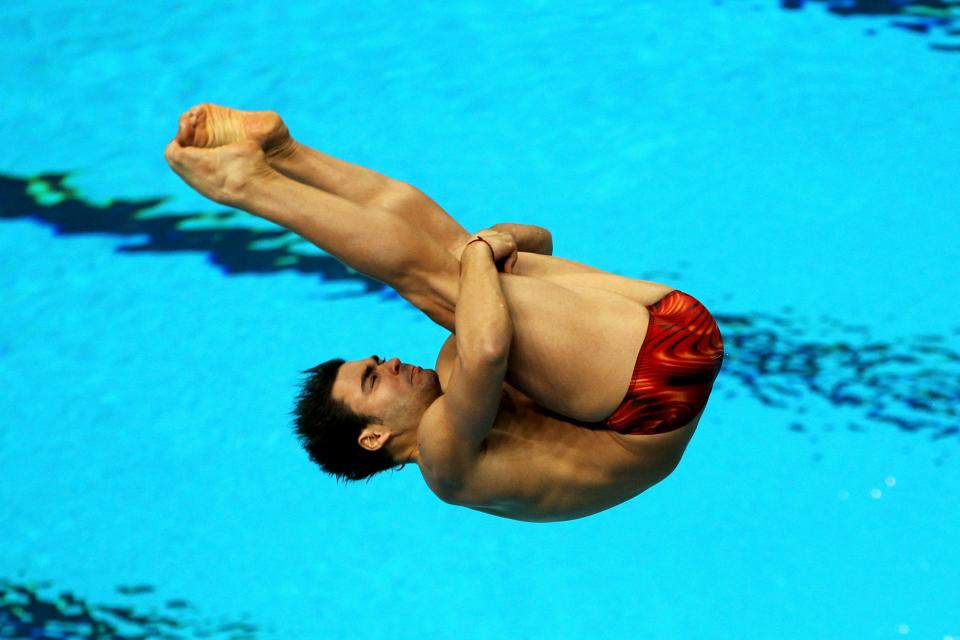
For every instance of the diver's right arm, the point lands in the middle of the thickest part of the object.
(483, 330)
(452, 444)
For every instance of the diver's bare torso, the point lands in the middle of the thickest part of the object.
(540, 467)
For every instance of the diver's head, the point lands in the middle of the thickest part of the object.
(360, 417)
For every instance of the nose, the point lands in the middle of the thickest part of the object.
(393, 365)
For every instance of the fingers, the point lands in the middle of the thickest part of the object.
(504, 248)
(511, 261)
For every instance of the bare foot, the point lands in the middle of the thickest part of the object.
(225, 174)
(210, 125)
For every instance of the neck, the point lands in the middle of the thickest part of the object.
(405, 448)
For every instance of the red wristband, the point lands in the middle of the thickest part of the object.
(480, 239)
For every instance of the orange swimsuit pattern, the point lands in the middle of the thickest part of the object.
(679, 359)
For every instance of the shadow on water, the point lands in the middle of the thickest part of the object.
(30, 611)
(235, 250)
(929, 17)
(912, 384)
(783, 361)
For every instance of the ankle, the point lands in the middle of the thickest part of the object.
(283, 152)
(240, 190)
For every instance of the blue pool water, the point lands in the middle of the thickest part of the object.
(795, 170)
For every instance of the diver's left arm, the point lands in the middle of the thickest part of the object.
(529, 237)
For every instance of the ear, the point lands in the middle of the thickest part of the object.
(374, 437)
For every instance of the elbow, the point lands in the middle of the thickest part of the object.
(495, 352)
(495, 344)
(547, 242)
(490, 351)
(543, 240)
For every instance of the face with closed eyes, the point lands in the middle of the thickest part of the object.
(395, 392)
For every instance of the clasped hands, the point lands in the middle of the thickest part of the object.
(502, 244)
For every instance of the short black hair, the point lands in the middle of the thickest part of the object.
(328, 429)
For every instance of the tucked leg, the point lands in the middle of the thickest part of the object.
(210, 125)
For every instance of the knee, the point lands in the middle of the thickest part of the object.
(398, 196)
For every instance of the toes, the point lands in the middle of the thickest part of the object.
(172, 153)
(201, 132)
(185, 130)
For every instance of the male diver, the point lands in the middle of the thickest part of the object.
(563, 390)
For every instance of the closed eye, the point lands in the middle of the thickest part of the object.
(374, 377)
(368, 374)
